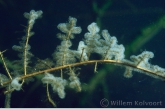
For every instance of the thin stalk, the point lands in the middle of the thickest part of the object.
(87, 62)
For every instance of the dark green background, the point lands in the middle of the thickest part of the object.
(125, 19)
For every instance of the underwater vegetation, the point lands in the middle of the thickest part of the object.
(89, 66)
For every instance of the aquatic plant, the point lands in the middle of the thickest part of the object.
(67, 60)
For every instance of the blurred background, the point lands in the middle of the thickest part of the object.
(138, 24)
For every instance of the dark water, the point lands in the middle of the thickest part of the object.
(125, 19)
